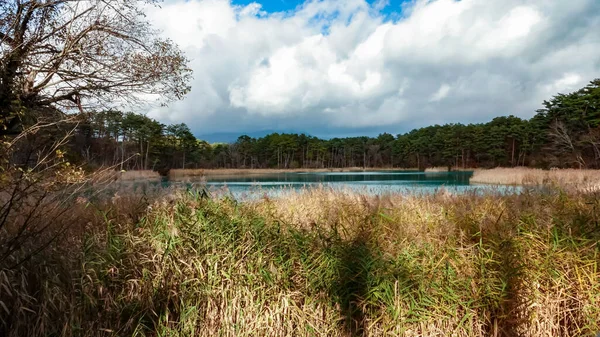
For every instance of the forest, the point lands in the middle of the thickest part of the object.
(564, 133)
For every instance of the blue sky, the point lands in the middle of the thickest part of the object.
(346, 67)
(391, 7)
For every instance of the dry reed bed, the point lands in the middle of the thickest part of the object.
(437, 169)
(139, 174)
(326, 263)
(587, 180)
(110, 175)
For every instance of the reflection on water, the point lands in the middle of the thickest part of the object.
(388, 178)
(374, 183)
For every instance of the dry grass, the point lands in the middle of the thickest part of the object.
(437, 169)
(502, 253)
(588, 180)
(137, 175)
(111, 175)
(326, 263)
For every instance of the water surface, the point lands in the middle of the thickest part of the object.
(369, 182)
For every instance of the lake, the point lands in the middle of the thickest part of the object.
(370, 182)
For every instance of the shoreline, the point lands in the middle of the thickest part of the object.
(579, 179)
(186, 173)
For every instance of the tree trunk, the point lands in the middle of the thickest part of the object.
(122, 151)
(146, 161)
(512, 159)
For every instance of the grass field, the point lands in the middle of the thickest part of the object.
(317, 263)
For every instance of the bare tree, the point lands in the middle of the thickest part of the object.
(78, 54)
(564, 143)
(592, 139)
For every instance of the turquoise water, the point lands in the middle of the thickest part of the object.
(376, 182)
(412, 179)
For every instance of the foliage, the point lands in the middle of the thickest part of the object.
(134, 141)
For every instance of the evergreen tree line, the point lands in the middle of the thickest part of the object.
(564, 133)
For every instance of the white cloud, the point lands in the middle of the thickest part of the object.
(341, 64)
(566, 82)
(442, 92)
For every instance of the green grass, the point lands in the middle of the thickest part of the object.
(322, 263)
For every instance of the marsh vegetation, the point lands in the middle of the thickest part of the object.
(573, 179)
(316, 262)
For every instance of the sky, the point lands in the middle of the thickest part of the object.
(334, 68)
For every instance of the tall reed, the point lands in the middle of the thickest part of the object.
(323, 263)
(586, 180)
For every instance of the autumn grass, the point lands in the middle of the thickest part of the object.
(586, 180)
(112, 175)
(320, 262)
(437, 169)
(138, 174)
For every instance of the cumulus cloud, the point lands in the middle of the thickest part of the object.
(335, 66)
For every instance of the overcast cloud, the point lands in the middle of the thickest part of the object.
(334, 68)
